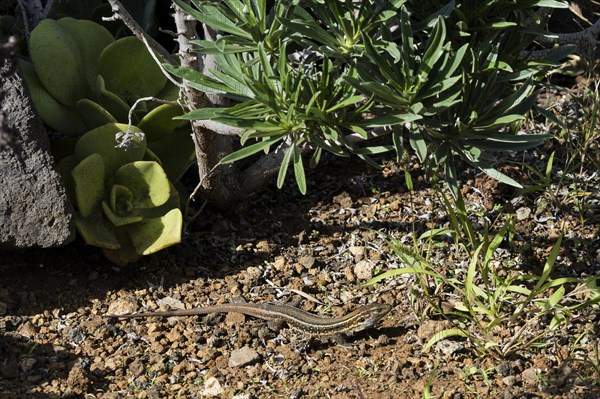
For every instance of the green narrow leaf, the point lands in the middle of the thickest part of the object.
(434, 49)
(247, 151)
(284, 166)
(447, 333)
(549, 265)
(398, 142)
(401, 271)
(389, 120)
(299, 170)
(408, 181)
(556, 297)
(557, 320)
(316, 157)
(211, 15)
(407, 43)
(349, 101)
(469, 286)
(417, 142)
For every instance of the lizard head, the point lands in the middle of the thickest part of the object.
(367, 316)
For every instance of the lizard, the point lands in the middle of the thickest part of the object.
(361, 319)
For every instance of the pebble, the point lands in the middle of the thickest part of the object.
(243, 357)
(27, 329)
(122, 306)
(212, 387)
(523, 213)
(448, 347)
(344, 200)
(530, 375)
(509, 381)
(170, 302)
(357, 251)
(363, 270)
(307, 261)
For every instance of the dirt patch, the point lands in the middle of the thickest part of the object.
(325, 244)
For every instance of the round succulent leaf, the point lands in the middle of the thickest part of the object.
(159, 122)
(154, 234)
(114, 104)
(158, 211)
(93, 114)
(88, 178)
(126, 253)
(95, 231)
(58, 62)
(91, 38)
(58, 116)
(147, 181)
(170, 92)
(119, 220)
(102, 141)
(121, 200)
(129, 70)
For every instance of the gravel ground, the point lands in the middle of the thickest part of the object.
(286, 248)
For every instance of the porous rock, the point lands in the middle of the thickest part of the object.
(34, 209)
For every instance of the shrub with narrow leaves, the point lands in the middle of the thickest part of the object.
(444, 80)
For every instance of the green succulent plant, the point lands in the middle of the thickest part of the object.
(124, 199)
(81, 78)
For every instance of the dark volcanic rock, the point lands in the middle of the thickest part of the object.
(34, 209)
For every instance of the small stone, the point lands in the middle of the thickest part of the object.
(363, 270)
(523, 213)
(349, 274)
(263, 246)
(307, 261)
(448, 347)
(156, 347)
(122, 306)
(27, 329)
(233, 318)
(431, 327)
(279, 264)
(242, 396)
(357, 251)
(243, 357)
(113, 363)
(530, 375)
(344, 200)
(170, 302)
(27, 364)
(212, 387)
(509, 381)
(136, 368)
